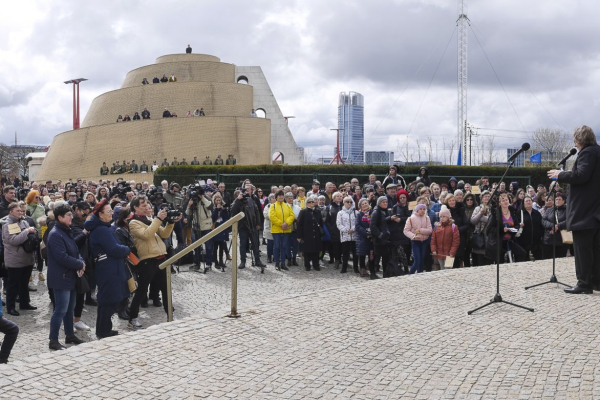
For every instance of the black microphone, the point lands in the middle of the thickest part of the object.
(525, 147)
(571, 153)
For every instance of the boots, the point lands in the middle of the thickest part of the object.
(289, 262)
(336, 264)
(356, 269)
(277, 267)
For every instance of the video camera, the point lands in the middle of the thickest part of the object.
(22, 193)
(197, 190)
(156, 194)
(121, 190)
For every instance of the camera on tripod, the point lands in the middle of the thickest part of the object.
(122, 189)
(196, 191)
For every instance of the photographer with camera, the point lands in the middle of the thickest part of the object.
(249, 226)
(148, 234)
(199, 212)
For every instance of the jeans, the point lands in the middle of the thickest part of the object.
(280, 246)
(64, 303)
(245, 242)
(293, 245)
(418, 249)
(17, 284)
(208, 247)
(270, 248)
(11, 331)
(103, 322)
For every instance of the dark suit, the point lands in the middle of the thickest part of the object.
(583, 214)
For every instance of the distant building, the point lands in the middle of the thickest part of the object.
(379, 157)
(351, 120)
(520, 160)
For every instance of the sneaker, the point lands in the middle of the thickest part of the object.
(41, 277)
(134, 324)
(81, 326)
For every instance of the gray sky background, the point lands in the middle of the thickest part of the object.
(310, 51)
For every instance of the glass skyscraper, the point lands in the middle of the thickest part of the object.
(351, 120)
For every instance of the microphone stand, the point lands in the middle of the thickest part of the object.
(498, 297)
(553, 277)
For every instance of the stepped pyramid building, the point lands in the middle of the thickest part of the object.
(226, 92)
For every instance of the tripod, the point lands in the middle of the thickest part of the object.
(553, 277)
(498, 297)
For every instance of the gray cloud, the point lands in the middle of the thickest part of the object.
(311, 50)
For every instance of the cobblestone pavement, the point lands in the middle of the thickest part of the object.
(341, 337)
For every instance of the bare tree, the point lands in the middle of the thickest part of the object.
(552, 142)
(405, 151)
(8, 164)
(429, 149)
(450, 146)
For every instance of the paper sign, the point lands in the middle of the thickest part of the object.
(412, 205)
(475, 190)
(14, 228)
(449, 262)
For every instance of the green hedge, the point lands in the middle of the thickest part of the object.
(267, 175)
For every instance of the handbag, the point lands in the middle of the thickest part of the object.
(81, 284)
(567, 236)
(478, 240)
(131, 282)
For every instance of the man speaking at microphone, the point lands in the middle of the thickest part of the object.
(583, 210)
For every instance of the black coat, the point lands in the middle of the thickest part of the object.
(533, 231)
(380, 229)
(331, 222)
(397, 228)
(583, 207)
(309, 223)
(549, 221)
(364, 240)
(463, 223)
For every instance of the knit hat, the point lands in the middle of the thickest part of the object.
(420, 207)
(380, 199)
(401, 192)
(445, 212)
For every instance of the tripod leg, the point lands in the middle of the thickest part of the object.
(479, 308)
(516, 305)
(536, 285)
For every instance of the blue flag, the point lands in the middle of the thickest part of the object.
(459, 162)
(536, 158)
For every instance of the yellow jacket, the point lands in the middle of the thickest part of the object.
(279, 213)
(148, 238)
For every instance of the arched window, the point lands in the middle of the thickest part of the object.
(242, 79)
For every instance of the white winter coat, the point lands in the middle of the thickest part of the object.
(346, 220)
(267, 225)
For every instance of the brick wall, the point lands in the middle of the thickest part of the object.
(217, 99)
(187, 71)
(80, 153)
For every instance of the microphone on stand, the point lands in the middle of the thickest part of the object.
(571, 153)
(524, 147)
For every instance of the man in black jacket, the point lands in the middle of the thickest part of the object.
(145, 114)
(9, 196)
(248, 227)
(583, 210)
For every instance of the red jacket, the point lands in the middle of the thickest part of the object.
(445, 240)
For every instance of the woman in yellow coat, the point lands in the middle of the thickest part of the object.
(281, 216)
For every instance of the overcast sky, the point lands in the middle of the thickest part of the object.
(546, 54)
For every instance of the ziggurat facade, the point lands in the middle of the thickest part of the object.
(202, 82)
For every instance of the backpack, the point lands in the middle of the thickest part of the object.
(31, 243)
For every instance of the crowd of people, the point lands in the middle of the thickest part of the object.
(102, 242)
(133, 168)
(145, 114)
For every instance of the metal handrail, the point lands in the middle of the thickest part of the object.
(233, 222)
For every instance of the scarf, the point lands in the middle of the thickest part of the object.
(142, 219)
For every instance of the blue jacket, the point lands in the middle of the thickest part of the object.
(363, 244)
(110, 271)
(224, 215)
(63, 258)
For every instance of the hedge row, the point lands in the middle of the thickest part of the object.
(266, 175)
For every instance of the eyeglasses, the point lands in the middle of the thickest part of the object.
(310, 202)
(348, 201)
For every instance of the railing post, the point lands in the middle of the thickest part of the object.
(169, 296)
(234, 271)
